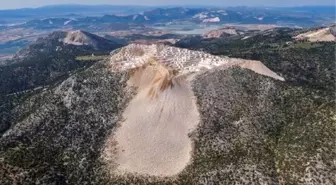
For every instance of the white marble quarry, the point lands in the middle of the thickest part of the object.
(183, 60)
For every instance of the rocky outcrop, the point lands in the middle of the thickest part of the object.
(184, 61)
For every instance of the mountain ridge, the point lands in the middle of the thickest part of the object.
(251, 128)
(244, 15)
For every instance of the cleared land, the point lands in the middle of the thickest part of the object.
(321, 35)
(153, 139)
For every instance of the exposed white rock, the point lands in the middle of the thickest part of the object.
(200, 16)
(78, 38)
(215, 19)
(58, 48)
(246, 37)
(321, 35)
(184, 60)
(67, 22)
(223, 12)
(153, 137)
(135, 17)
(66, 88)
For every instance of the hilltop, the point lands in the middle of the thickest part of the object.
(51, 58)
(258, 110)
(327, 34)
(222, 123)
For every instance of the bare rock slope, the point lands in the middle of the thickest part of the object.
(81, 38)
(320, 35)
(164, 115)
(221, 33)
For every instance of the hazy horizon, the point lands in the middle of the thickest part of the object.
(18, 4)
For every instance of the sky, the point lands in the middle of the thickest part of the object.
(14, 4)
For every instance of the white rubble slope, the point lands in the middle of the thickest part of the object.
(184, 60)
(153, 139)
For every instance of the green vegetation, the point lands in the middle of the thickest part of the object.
(92, 58)
(307, 45)
(252, 130)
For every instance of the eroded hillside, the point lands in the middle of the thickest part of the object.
(219, 120)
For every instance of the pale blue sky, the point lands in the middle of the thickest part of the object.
(10, 4)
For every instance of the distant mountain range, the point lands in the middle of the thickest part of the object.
(70, 10)
(80, 16)
(20, 27)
